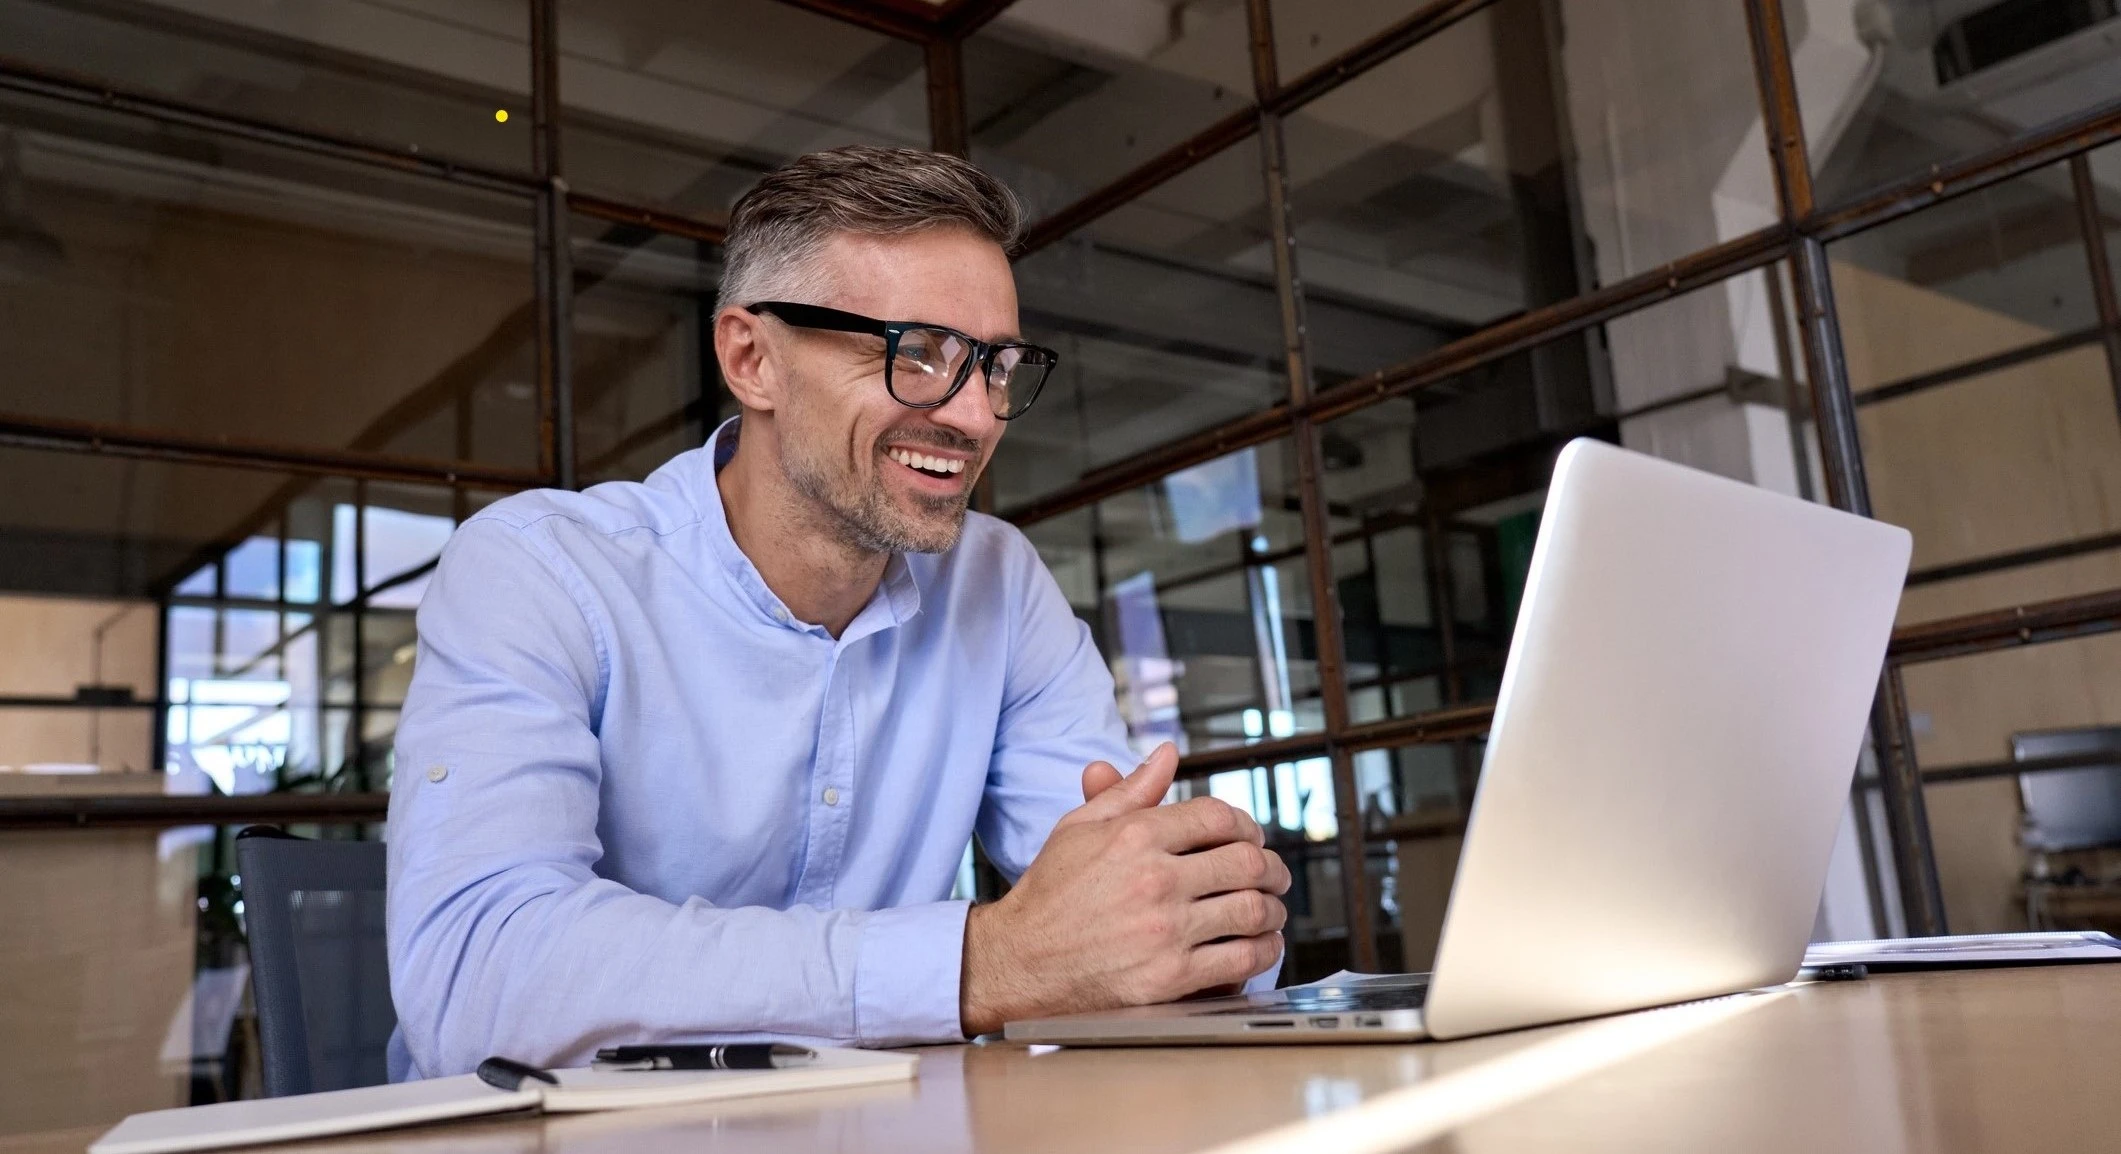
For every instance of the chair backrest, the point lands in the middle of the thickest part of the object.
(319, 966)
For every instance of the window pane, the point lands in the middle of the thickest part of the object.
(1424, 840)
(433, 77)
(1429, 561)
(140, 974)
(1435, 499)
(1482, 172)
(265, 699)
(683, 105)
(1985, 464)
(1197, 593)
(646, 386)
(201, 285)
(1166, 322)
(253, 569)
(93, 661)
(1967, 711)
(1985, 273)
(2018, 459)
(1307, 34)
(1663, 112)
(1402, 200)
(1059, 105)
(1943, 82)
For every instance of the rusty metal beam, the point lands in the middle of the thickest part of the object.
(2101, 125)
(24, 77)
(30, 432)
(2091, 225)
(1524, 331)
(1841, 451)
(713, 230)
(961, 18)
(1982, 366)
(1708, 266)
(1299, 748)
(947, 130)
(1434, 727)
(1142, 178)
(2016, 558)
(1454, 723)
(2061, 619)
(553, 254)
(1978, 771)
(904, 19)
(1278, 99)
(1311, 496)
(1416, 27)
(160, 812)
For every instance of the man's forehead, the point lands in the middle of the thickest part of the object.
(947, 276)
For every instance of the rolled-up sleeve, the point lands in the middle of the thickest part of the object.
(503, 939)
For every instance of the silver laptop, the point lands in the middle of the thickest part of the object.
(1681, 713)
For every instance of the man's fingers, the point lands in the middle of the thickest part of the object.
(1143, 789)
(1202, 823)
(1233, 961)
(1098, 777)
(1235, 866)
(1238, 914)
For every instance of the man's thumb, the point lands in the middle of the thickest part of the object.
(1143, 788)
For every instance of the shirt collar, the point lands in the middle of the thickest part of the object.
(898, 596)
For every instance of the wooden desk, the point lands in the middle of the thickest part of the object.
(2011, 1060)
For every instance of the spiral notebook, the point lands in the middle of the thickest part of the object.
(252, 1123)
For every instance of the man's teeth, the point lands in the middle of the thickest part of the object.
(913, 460)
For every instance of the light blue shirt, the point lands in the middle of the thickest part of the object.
(636, 800)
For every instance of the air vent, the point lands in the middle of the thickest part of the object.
(2011, 29)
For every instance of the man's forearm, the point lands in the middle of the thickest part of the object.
(548, 977)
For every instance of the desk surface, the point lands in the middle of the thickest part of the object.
(2000, 1060)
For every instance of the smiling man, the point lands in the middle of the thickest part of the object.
(697, 758)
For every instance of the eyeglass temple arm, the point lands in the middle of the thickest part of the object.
(819, 317)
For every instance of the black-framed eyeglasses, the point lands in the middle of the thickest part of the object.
(925, 365)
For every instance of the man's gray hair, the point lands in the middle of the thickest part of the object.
(777, 228)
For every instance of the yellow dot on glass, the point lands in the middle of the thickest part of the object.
(500, 116)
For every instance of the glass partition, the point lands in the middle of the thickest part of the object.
(445, 78)
(682, 106)
(167, 279)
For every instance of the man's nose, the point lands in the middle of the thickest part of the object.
(969, 413)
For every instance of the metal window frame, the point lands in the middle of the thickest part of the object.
(1798, 239)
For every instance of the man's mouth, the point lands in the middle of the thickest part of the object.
(929, 465)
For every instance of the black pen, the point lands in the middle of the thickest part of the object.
(732, 1056)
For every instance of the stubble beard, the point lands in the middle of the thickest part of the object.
(864, 516)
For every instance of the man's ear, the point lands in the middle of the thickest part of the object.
(749, 362)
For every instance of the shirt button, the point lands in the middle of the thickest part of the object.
(780, 614)
(437, 772)
(832, 796)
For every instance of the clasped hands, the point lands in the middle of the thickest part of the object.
(1130, 902)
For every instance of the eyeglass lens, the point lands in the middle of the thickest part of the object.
(929, 361)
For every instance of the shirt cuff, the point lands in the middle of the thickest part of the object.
(906, 975)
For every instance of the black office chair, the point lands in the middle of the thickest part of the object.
(320, 971)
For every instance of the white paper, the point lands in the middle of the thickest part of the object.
(229, 1124)
(1968, 949)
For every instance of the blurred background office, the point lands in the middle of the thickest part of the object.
(289, 288)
